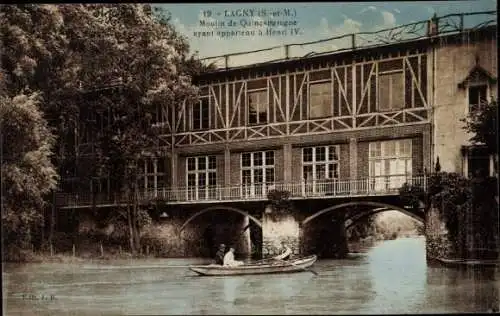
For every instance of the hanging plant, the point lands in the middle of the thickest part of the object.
(280, 203)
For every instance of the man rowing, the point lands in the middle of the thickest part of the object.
(219, 256)
(285, 254)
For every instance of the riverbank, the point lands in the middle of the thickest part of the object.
(27, 256)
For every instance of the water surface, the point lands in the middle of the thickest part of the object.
(391, 277)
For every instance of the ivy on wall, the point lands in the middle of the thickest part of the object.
(280, 203)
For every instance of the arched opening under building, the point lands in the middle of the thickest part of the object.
(336, 230)
(205, 230)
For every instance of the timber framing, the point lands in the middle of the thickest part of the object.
(354, 105)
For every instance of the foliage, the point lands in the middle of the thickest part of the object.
(412, 195)
(280, 201)
(482, 123)
(104, 69)
(27, 172)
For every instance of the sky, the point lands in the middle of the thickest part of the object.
(308, 22)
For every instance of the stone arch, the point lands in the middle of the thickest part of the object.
(380, 205)
(351, 221)
(224, 208)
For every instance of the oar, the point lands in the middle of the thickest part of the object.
(306, 269)
(303, 269)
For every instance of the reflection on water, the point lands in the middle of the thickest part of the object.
(391, 277)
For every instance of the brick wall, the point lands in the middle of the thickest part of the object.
(296, 164)
(235, 161)
(363, 154)
(417, 156)
(279, 164)
(181, 171)
(344, 168)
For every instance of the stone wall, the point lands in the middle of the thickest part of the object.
(200, 238)
(438, 244)
(277, 229)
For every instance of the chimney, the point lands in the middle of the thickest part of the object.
(433, 26)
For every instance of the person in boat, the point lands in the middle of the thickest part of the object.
(219, 256)
(286, 252)
(229, 259)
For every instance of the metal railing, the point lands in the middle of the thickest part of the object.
(373, 186)
(436, 26)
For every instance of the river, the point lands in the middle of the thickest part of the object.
(391, 277)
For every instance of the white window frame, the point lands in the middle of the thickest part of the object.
(473, 85)
(254, 189)
(329, 98)
(209, 190)
(315, 185)
(146, 174)
(387, 180)
(260, 104)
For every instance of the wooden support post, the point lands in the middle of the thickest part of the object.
(74, 250)
(102, 249)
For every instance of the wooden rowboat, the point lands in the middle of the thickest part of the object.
(468, 262)
(296, 265)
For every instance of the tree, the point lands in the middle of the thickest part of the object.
(482, 123)
(27, 171)
(123, 63)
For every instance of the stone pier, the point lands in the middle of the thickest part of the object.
(245, 242)
(277, 229)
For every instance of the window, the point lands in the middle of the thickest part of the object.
(390, 163)
(201, 177)
(154, 174)
(257, 172)
(320, 165)
(390, 91)
(200, 114)
(257, 107)
(320, 100)
(478, 161)
(477, 95)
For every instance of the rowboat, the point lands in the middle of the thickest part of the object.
(468, 262)
(266, 267)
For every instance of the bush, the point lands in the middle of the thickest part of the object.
(280, 202)
(412, 195)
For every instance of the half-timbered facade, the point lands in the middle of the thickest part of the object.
(351, 123)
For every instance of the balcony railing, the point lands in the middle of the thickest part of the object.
(436, 26)
(383, 185)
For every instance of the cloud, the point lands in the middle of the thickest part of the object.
(214, 45)
(389, 19)
(370, 8)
